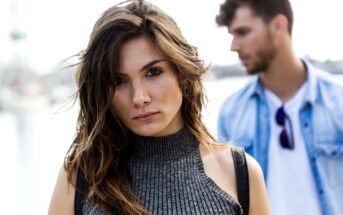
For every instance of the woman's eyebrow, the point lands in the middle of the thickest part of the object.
(150, 64)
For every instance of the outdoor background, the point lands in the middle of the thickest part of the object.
(37, 123)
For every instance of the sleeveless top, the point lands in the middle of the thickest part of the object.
(168, 178)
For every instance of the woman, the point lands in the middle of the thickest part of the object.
(141, 147)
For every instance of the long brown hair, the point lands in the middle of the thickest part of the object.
(100, 145)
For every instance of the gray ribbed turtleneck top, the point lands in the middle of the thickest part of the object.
(168, 178)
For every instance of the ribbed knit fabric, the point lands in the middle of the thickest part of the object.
(168, 178)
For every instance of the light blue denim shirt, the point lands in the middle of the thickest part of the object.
(244, 120)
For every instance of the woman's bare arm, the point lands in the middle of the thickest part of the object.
(62, 200)
(259, 204)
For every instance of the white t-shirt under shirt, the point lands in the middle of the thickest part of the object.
(290, 183)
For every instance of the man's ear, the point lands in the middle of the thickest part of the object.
(279, 25)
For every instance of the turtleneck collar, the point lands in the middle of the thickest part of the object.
(170, 147)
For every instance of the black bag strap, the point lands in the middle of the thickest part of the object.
(79, 193)
(242, 178)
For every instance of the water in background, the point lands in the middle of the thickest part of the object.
(34, 143)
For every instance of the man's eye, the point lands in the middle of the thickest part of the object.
(242, 32)
(153, 72)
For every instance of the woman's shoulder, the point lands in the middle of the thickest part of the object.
(254, 167)
(218, 156)
(218, 165)
(62, 200)
(223, 153)
(257, 189)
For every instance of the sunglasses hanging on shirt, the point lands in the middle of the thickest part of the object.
(286, 135)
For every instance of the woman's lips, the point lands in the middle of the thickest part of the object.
(145, 116)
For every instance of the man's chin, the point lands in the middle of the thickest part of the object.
(252, 71)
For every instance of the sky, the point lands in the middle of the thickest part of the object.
(58, 29)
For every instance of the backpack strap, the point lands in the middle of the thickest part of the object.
(242, 178)
(79, 193)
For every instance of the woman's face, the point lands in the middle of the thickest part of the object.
(147, 96)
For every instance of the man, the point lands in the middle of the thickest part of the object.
(290, 117)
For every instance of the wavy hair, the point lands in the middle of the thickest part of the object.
(100, 147)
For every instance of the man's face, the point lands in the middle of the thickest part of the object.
(252, 40)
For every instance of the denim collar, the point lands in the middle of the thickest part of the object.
(256, 89)
(311, 93)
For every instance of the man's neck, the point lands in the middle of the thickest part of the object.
(284, 77)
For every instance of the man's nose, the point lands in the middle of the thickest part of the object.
(235, 46)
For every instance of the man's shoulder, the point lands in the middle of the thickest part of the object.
(242, 96)
(329, 87)
(326, 79)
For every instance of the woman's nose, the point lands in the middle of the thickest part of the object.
(141, 95)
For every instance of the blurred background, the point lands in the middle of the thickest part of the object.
(37, 116)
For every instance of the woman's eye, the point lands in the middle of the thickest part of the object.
(153, 72)
(119, 81)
